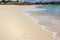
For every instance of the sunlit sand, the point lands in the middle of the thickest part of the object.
(15, 25)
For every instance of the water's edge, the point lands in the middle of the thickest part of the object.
(54, 33)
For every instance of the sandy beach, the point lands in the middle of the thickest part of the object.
(15, 25)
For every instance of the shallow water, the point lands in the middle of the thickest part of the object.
(48, 16)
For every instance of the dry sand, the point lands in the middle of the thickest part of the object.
(15, 25)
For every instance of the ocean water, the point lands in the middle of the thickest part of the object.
(48, 16)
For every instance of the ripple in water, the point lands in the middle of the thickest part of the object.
(48, 16)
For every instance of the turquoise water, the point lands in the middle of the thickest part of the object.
(53, 10)
(48, 16)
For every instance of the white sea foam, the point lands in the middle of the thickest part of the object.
(44, 27)
(35, 9)
(48, 23)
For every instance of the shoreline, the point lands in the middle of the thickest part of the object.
(15, 25)
(43, 27)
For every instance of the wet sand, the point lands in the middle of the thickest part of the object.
(15, 25)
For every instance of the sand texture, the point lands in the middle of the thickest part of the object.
(15, 25)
